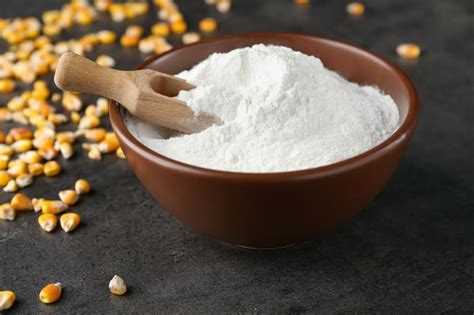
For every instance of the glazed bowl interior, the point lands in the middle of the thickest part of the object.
(353, 63)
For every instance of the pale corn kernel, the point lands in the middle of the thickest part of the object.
(129, 41)
(6, 150)
(355, 9)
(50, 293)
(37, 204)
(71, 102)
(7, 213)
(5, 114)
(56, 97)
(36, 169)
(11, 186)
(91, 110)
(117, 286)
(30, 157)
(57, 119)
(48, 153)
(4, 159)
(53, 206)
(207, 25)
(48, 221)
(102, 106)
(223, 6)
(94, 154)
(179, 27)
(18, 168)
(21, 202)
(65, 137)
(51, 30)
(7, 298)
(105, 61)
(134, 31)
(191, 37)
(106, 37)
(7, 86)
(9, 139)
(160, 29)
(16, 103)
(408, 51)
(69, 197)
(4, 178)
(24, 180)
(82, 186)
(147, 45)
(163, 14)
(120, 154)
(95, 135)
(109, 144)
(20, 118)
(75, 117)
(175, 16)
(51, 168)
(102, 5)
(136, 8)
(50, 17)
(89, 122)
(69, 221)
(21, 146)
(44, 140)
(66, 150)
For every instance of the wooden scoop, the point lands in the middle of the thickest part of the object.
(145, 93)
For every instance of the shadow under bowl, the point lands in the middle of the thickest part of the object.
(275, 209)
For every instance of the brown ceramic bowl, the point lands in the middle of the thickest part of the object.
(275, 209)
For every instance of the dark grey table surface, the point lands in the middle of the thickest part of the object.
(410, 251)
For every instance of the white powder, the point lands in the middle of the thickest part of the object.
(281, 110)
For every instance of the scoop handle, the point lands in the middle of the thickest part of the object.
(79, 74)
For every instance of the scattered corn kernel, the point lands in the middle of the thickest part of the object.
(17, 167)
(109, 144)
(20, 134)
(11, 186)
(6, 150)
(207, 25)
(75, 117)
(7, 86)
(120, 154)
(4, 162)
(69, 197)
(48, 153)
(24, 180)
(179, 27)
(37, 204)
(129, 41)
(50, 293)
(95, 135)
(53, 206)
(105, 61)
(30, 157)
(6, 213)
(51, 168)
(4, 178)
(223, 6)
(65, 137)
(94, 154)
(69, 221)
(106, 37)
(82, 186)
(7, 298)
(36, 169)
(71, 102)
(21, 202)
(22, 145)
(48, 221)
(66, 150)
(355, 9)
(117, 286)
(191, 37)
(408, 51)
(89, 122)
(160, 29)
(102, 106)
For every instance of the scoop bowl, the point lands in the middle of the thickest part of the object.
(269, 210)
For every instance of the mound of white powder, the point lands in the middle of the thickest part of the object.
(281, 110)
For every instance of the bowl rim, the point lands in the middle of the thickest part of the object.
(405, 129)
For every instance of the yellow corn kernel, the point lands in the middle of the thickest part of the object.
(106, 37)
(134, 9)
(48, 153)
(117, 286)
(57, 119)
(7, 86)
(65, 137)
(120, 154)
(53, 206)
(160, 29)
(102, 106)
(7, 298)
(43, 141)
(89, 122)
(94, 154)
(84, 17)
(24, 180)
(6, 213)
(6, 150)
(30, 157)
(408, 51)
(355, 9)
(66, 150)
(56, 97)
(207, 25)
(75, 117)
(51, 168)
(69, 221)
(50, 17)
(51, 30)
(48, 221)
(21, 202)
(37, 204)
(82, 186)
(117, 12)
(95, 135)
(147, 45)
(191, 37)
(22, 145)
(102, 5)
(105, 61)
(11, 186)
(40, 94)
(35, 169)
(9, 139)
(69, 197)
(20, 133)
(50, 293)
(17, 168)
(71, 102)
(129, 41)
(179, 27)
(4, 178)
(134, 31)
(109, 144)
(4, 159)
(223, 6)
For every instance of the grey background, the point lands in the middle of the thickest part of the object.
(410, 251)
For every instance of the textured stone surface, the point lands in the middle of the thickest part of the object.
(410, 251)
